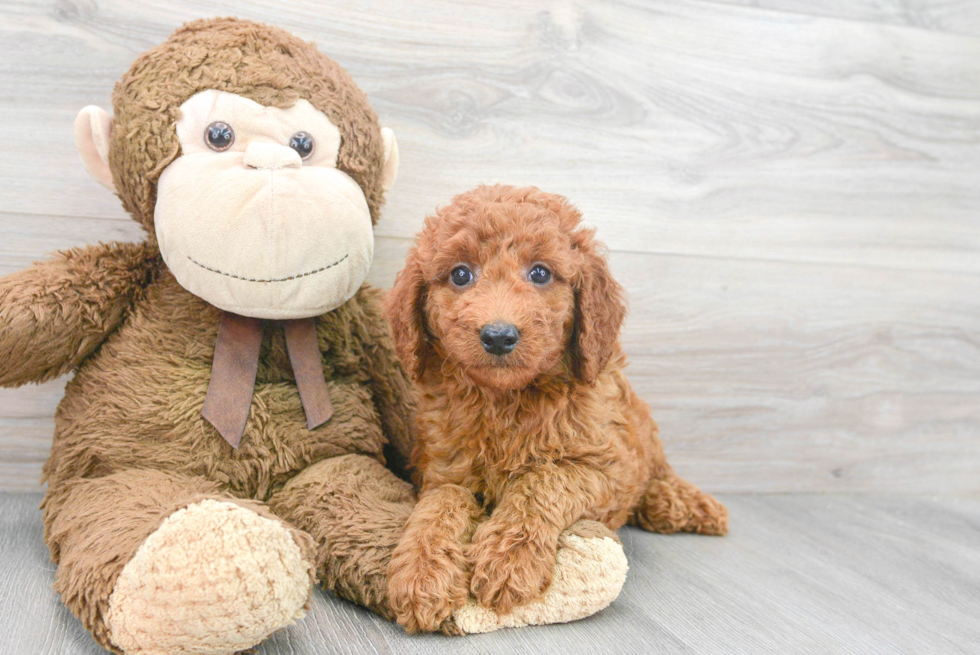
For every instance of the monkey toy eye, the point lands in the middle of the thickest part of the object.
(219, 136)
(539, 274)
(302, 143)
(461, 276)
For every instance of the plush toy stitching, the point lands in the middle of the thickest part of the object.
(280, 279)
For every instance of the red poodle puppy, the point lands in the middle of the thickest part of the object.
(508, 318)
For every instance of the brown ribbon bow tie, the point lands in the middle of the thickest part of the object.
(236, 362)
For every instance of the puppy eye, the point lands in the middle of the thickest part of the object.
(461, 276)
(539, 274)
(302, 143)
(219, 136)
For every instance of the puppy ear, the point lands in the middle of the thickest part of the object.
(403, 307)
(600, 308)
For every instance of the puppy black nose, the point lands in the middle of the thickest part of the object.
(499, 338)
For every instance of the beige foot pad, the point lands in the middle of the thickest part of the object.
(214, 578)
(589, 574)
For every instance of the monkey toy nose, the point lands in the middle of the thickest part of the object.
(499, 338)
(269, 156)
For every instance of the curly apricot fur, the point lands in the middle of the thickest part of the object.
(534, 440)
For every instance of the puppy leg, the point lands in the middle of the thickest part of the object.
(514, 551)
(428, 576)
(672, 504)
(589, 574)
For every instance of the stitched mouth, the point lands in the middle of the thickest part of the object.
(273, 279)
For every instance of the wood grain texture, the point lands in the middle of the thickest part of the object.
(798, 574)
(954, 16)
(789, 191)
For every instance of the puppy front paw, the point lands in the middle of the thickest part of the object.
(510, 568)
(425, 586)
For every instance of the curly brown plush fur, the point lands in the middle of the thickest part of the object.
(539, 438)
(132, 412)
(131, 448)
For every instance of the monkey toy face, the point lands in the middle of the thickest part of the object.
(259, 171)
(254, 216)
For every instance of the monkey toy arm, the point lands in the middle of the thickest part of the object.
(56, 313)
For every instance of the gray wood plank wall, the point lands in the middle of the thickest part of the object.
(790, 191)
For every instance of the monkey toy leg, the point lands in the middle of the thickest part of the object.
(356, 510)
(155, 563)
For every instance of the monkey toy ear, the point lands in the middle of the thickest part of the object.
(92, 129)
(390, 170)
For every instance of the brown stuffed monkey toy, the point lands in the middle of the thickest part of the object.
(222, 444)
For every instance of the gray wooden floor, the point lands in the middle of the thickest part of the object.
(798, 574)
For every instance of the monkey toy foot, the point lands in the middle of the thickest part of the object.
(215, 578)
(589, 574)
